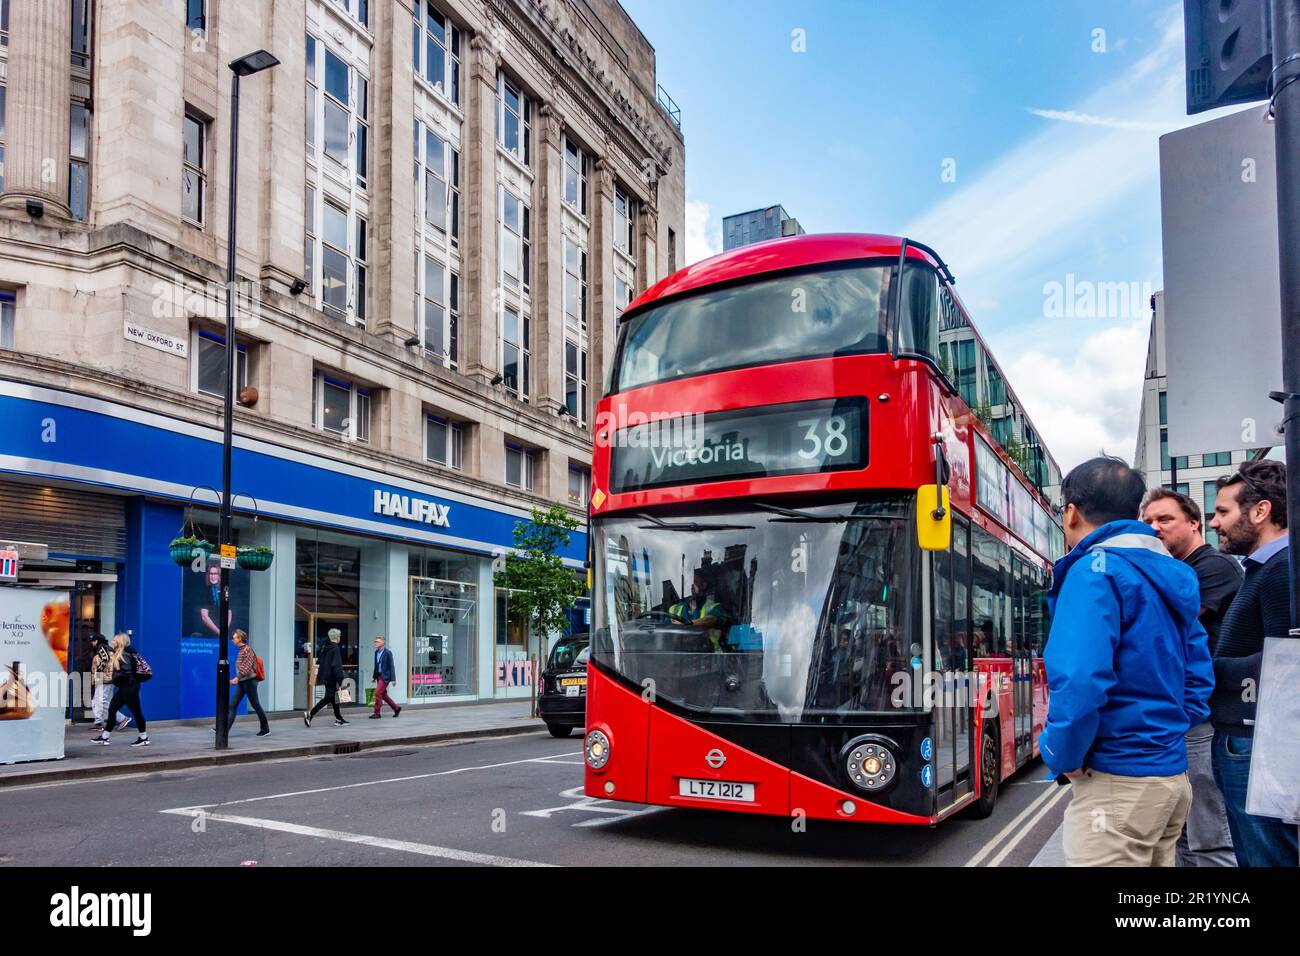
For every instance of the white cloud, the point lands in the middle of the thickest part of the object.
(703, 236)
(1088, 401)
(1087, 119)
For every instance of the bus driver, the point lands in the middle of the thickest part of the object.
(700, 610)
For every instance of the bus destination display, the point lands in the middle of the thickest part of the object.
(763, 442)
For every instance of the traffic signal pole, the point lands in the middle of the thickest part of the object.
(1286, 110)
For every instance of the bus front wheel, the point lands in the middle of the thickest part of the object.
(989, 774)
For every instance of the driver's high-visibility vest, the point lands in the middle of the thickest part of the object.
(709, 608)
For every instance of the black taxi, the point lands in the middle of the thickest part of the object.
(563, 701)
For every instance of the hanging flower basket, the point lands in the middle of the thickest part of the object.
(182, 549)
(254, 558)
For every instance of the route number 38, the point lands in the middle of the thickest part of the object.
(827, 437)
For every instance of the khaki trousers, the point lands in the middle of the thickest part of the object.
(1125, 821)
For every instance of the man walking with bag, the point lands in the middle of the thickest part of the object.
(329, 671)
(1128, 669)
(385, 674)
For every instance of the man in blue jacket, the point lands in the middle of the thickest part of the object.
(385, 676)
(1128, 670)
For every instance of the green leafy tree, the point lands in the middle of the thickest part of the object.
(543, 589)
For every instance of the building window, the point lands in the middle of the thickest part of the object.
(622, 296)
(437, 182)
(575, 330)
(196, 20)
(520, 466)
(442, 441)
(309, 246)
(4, 22)
(342, 408)
(209, 364)
(439, 311)
(1209, 492)
(1217, 458)
(575, 380)
(6, 320)
(516, 240)
(336, 113)
(359, 10)
(515, 352)
(336, 244)
(79, 161)
(576, 166)
(194, 176)
(579, 486)
(1164, 408)
(1164, 449)
(359, 264)
(363, 129)
(81, 34)
(672, 250)
(310, 107)
(334, 259)
(575, 285)
(436, 50)
(514, 120)
(624, 222)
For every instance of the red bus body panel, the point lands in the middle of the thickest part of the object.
(624, 717)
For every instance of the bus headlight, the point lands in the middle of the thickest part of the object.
(597, 750)
(870, 763)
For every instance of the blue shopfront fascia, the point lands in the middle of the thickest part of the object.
(55, 434)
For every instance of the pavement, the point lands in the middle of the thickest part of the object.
(512, 800)
(177, 745)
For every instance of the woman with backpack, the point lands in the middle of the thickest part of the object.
(248, 671)
(128, 670)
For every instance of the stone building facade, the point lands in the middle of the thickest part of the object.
(443, 205)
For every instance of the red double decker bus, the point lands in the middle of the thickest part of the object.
(821, 535)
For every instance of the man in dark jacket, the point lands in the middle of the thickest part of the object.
(1128, 668)
(1250, 516)
(329, 671)
(385, 674)
(1176, 519)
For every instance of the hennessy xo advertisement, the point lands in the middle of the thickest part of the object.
(34, 632)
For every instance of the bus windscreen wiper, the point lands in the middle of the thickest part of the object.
(793, 515)
(691, 526)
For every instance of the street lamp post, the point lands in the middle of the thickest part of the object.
(1286, 109)
(244, 66)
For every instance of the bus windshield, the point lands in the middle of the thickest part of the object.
(837, 310)
(780, 614)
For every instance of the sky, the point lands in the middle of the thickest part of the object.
(1019, 138)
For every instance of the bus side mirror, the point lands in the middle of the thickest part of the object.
(933, 518)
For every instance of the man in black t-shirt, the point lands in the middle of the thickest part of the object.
(1206, 839)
